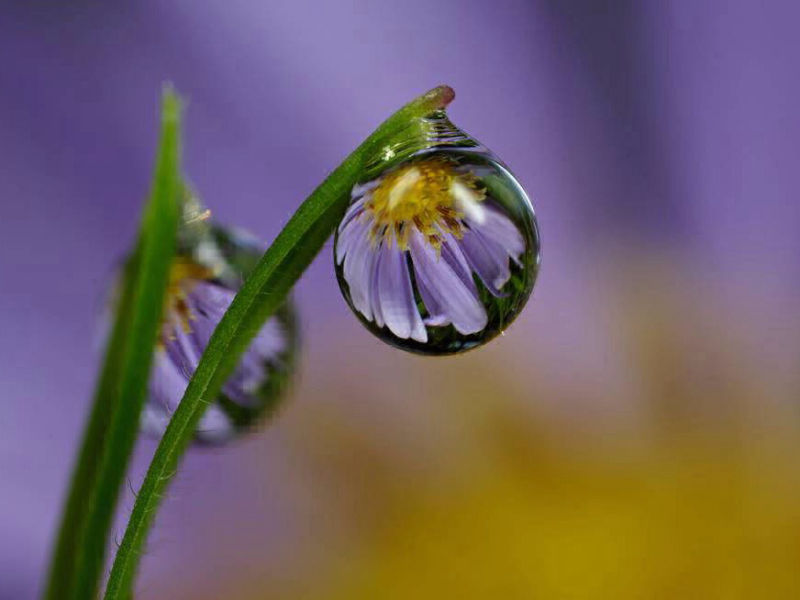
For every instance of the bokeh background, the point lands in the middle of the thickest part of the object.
(634, 435)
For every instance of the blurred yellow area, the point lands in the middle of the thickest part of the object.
(693, 523)
(477, 490)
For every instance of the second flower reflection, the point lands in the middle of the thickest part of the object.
(439, 253)
(208, 270)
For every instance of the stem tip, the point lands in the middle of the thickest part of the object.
(441, 96)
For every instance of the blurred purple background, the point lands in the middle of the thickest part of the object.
(659, 142)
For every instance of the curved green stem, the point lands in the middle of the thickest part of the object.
(263, 292)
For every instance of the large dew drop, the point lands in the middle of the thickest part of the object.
(439, 249)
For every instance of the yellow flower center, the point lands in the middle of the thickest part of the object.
(183, 276)
(428, 194)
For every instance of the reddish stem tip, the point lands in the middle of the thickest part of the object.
(441, 96)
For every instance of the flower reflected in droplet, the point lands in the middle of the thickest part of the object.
(204, 278)
(423, 248)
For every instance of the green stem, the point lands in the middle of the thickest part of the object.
(263, 292)
(114, 423)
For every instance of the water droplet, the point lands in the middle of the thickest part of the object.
(208, 270)
(439, 249)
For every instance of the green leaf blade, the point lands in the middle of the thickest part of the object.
(114, 424)
(63, 568)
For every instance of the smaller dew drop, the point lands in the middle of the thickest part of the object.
(207, 271)
(439, 249)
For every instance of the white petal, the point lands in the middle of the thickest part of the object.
(402, 186)
(467, 201)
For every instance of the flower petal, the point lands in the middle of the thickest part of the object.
(351, 228)
(374, 287)
(252, 370)
(359, 266)
(499, 229)
(488, 259)
(154, 420)
(436, 314)
(353, 211)
(188, 347)
(206, 303)
(348, 236)
(214, 426)
(167, 383)
(441, 278)
(396, 298)
(454, 257)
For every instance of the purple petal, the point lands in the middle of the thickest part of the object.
(214, 425)
(154, 420)
(396, 298)
(488, 259)
(352, 211)
(363, 189)
(351, 228)
(436, 314)
(208, 302)
(451, 253)
(188, 347)
(451, 297)
(499, 229)
(251, 372)
(174, 366)
(348, 236)
(167, 383)
(173, 351)
(359, 268)
(374, 287)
